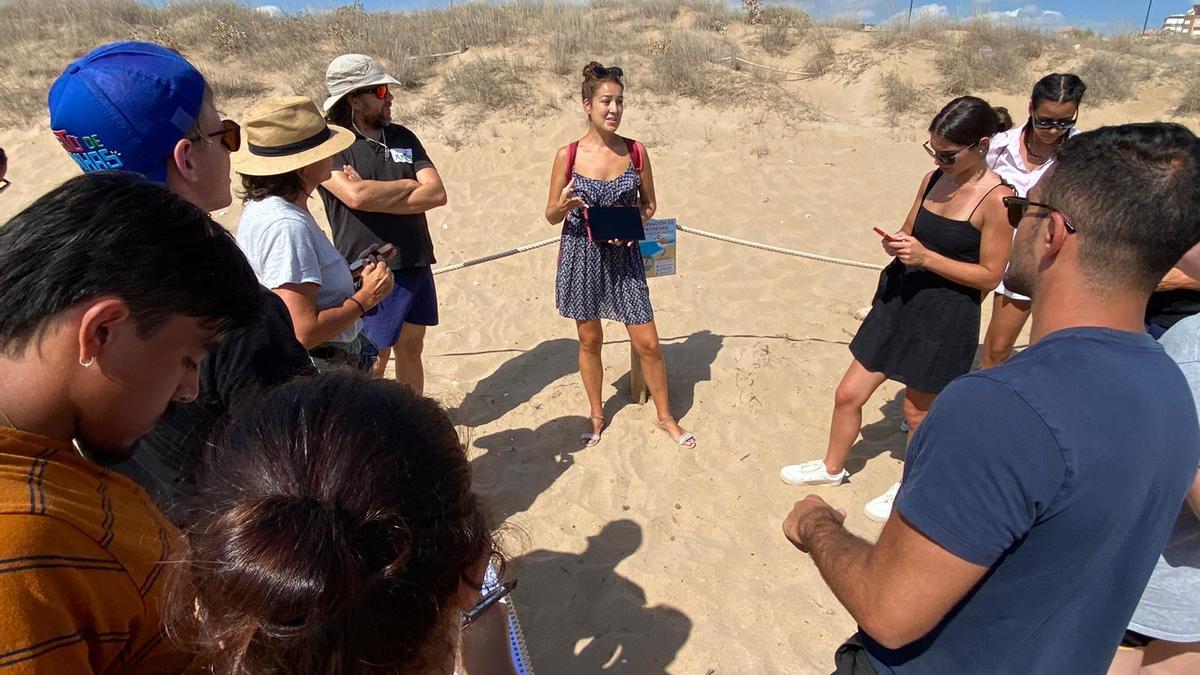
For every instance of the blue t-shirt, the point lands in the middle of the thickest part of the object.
(1062, 471)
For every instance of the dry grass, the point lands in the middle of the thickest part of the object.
(1189, 100)
(781, 29)
(896, 36)
(989, 56)
(1110, 77)
(825, 58)
(486, 85)
(900, 96)
(685, 63)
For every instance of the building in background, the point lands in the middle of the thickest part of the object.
(1187, 24)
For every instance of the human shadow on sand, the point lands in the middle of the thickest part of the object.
(517, 380)
(581, 617)
(520, 464)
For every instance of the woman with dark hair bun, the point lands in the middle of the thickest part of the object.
(327, 541)
(1021, 156)
(923, 327)
(606, 279)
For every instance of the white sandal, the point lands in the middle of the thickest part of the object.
(685, 440)
(592, 438)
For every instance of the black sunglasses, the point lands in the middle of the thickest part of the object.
(613, 70)
(231, 135)
(380, 91)
(4, 183)
(1048, 123)
(1019, 206)
(947, 156)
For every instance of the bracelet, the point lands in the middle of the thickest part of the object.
(360, 306)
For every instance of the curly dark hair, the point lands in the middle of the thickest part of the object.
(336, 521)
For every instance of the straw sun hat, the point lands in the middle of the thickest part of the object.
(286, 133)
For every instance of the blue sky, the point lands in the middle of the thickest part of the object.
(1107, 15)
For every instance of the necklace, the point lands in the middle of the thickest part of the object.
(382, 135)
(1041, 159)
(74, 441)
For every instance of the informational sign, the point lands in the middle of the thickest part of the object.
(658, 248)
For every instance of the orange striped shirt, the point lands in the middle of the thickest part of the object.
(82, 553)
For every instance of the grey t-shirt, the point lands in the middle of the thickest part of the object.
(285, 246)
(1169, 609)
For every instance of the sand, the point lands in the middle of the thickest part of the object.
(636, 556)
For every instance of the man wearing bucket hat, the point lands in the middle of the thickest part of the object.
(379, 192)
(140, 107)
(288, 152)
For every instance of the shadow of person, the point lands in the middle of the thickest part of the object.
(520, 464)
(880, 437)
(688, 363)
(516, 381)
(581, 617)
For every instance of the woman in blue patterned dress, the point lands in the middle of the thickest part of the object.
(605, 279)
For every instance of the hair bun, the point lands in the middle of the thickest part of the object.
(589, 71)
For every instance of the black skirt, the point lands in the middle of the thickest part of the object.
(922, 331)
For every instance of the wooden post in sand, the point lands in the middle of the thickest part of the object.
(637, 382)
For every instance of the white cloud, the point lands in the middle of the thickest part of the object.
(1029, 14)
(270, 10)
(930, 12)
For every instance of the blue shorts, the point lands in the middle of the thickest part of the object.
(413, 300)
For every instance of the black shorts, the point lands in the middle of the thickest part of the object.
(1135, 640)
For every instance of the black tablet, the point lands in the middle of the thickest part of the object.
(615, 222)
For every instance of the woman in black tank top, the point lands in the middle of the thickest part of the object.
(923, 328)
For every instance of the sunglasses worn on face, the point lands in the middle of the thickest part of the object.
(380, 91)
(1049, 123)
(1019, 206)
(947, 156)
(231, 135)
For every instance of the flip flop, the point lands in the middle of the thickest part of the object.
(685, 440)
(591, 438)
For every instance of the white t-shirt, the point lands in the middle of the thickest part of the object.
(1004, 156)
(285, 246)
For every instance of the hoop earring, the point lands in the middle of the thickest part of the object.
(87, 364)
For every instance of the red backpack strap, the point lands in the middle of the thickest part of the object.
(635, 153)
(572, 149)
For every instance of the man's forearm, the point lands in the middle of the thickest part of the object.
(383, 196)
(842, 558)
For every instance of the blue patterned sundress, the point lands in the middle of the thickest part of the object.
(597, 280)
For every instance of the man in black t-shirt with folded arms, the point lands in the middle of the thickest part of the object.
(379, 192)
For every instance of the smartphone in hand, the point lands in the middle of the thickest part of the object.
(885, 235)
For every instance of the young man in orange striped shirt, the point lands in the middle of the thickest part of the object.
(112, 291)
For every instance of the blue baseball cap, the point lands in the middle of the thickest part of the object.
(124, 106)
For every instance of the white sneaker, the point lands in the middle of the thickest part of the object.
(811, 473)
(880, 508)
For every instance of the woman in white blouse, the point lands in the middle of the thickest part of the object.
(1021, 156)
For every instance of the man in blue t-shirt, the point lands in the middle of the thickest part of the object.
(1038, 494)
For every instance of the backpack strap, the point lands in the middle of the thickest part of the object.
(635, 154)
(572, 149)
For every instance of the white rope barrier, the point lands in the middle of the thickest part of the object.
(496, 256)
(780, 249)
(739, 59)
(682, 228)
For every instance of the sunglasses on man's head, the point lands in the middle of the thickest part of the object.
(231, 135)
(380, 91)
(1050, 123)
(946, 156)
(1019, 206)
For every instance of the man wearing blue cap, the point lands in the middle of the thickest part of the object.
(137, 106)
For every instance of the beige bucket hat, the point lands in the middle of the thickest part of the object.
(353, 71)
(285, 133)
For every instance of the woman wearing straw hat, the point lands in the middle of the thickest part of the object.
(288, 152)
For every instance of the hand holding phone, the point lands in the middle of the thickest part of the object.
(885, 235)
